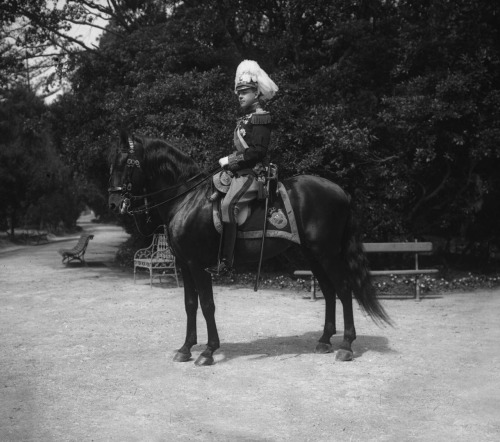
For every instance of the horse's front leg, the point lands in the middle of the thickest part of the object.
(191, 306)
(203, 282)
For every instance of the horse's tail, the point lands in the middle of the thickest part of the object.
(357, 276)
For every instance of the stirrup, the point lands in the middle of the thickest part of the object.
(221, 269)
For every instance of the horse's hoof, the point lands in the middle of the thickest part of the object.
(344, 355)
(204, 361)
(323, 348)
(182, 357)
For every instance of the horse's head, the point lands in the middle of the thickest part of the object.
(127, 178)
(143, 167)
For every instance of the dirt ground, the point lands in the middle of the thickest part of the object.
(86, 355)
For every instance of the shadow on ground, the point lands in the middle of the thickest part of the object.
(87, 264)
(284, 347)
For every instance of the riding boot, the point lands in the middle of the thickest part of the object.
(228, 243)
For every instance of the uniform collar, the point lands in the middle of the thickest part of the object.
(255, 107)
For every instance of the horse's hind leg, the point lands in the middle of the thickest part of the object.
(329, 276)
(324, 344)
(345, 353)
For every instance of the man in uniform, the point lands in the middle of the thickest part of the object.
(251, 141)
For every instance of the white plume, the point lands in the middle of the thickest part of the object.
(256, 74)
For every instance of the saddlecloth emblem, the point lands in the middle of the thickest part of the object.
(277, 218)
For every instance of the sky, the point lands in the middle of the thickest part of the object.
(88, 34)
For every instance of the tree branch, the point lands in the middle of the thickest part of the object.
(98, 7)
(431, 195)
(90, 25)
(379, 160)
(34, 19)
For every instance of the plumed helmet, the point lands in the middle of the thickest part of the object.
(250, 75)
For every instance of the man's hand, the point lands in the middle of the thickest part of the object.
(231, 162)
(224, 161)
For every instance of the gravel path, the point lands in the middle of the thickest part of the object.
(86, 355)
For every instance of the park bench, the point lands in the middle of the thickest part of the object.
(29, 235)
(158, 259)
(389, 247)
(33, 235)
(77, 252)
(39, 237)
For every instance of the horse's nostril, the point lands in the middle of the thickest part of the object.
(112, 206)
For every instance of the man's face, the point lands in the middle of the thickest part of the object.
(247, 97)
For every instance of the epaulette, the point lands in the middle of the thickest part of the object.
(262, 117)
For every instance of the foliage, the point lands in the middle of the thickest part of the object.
(387, 286)
(34, 188)
(442, 116)
(395, 284)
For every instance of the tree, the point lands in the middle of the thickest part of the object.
(44, 36)
(443, 117)
(31, 173)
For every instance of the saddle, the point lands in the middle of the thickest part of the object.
(280, 218)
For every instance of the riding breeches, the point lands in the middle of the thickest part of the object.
(242, 190)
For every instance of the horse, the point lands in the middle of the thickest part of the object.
(148, 173)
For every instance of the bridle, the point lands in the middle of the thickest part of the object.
(177, 190)
(125, 189)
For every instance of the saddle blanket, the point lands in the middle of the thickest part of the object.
(281, 221)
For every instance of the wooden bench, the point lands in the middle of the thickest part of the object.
(77, 252)
(34, 235)
(158, 259)
(40, 237)
(389, 247)
(31, 235)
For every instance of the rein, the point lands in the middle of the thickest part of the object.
(146, 207)
(210, 173)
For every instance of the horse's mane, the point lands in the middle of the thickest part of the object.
(162, 158)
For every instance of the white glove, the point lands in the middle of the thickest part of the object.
(224, 161)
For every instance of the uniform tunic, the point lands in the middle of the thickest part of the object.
(251, 141)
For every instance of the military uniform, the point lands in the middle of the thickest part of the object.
(251, 141)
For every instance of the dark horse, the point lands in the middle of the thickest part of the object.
(155, 171)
